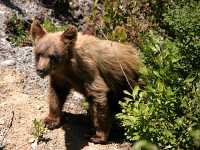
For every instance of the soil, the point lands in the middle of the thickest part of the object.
(23, 97)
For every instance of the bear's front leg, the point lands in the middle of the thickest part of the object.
(99, 110)
(58, 91)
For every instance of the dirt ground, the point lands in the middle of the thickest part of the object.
(23, 108)
(22, 99)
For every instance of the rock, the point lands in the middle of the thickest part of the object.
(39, 107)
(6, 63)
(90, 144)
(34, 145)
(77, 96)
(31, 140)
(2, 122)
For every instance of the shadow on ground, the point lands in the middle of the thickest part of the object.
(76, 126)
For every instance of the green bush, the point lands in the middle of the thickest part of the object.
(17, 31)
(18, 28)
(38, 129)
(144, 145)
(121, 21)
(167, 111)
(182, 22)
(50, 26)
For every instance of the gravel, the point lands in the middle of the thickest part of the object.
(76, 13)
(6, 49)
(25, 64)
(9, 62)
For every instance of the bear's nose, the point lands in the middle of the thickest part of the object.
(42, 72)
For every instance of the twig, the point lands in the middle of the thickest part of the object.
(121, 67)
(9, 126)
(125, 75)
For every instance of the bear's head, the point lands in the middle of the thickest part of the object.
(52, 50)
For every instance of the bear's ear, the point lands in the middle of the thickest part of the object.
(69, 34)
(36, 31)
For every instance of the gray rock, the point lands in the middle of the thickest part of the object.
(8, 63)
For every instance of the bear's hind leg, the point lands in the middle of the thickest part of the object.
(102, 121)
(99, 110)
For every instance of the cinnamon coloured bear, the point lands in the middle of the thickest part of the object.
(99, 69)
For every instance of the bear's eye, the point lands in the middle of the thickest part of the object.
(54, 58)
(37, 56)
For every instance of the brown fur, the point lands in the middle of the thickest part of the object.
(91, 66)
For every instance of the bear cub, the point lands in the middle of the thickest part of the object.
(99, 69)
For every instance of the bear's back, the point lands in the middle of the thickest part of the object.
(116, 62)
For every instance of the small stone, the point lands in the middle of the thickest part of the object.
(90, 144)
(31, 140)
(34, 145)
(38, 107)
(2, 122)
(8, 63)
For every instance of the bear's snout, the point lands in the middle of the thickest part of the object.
(42, 72)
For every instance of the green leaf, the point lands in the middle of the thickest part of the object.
(127, 92)
(157, 74)
(119, 34)
(160, 85)
(135, 91)
(189, 80)
(143, 70)
(136, 137)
